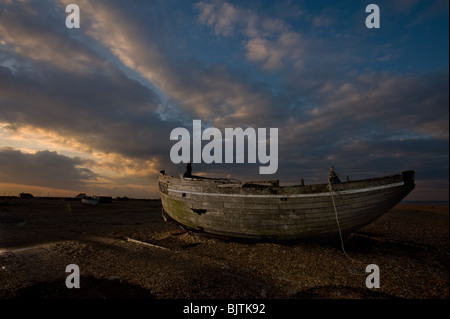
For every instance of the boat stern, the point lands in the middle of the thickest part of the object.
(408, 179)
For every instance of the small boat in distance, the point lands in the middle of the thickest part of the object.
(264, 210)
(94, 200)
(89, 200)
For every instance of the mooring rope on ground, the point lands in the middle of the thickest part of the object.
(340, 231)
(342, 240)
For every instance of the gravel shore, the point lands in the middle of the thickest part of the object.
(124, 249)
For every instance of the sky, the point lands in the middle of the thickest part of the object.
(91, 109)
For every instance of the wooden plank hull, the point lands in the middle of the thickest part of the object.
(225, 208)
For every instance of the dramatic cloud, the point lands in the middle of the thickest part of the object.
(388, 104)
(46, 169)
(269, 41)
(272, 53)
(209, 92)
(102, 100)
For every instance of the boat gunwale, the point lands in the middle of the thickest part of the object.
(215, 185)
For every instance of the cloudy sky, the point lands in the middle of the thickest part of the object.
(91, 109)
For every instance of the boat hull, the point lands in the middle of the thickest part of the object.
(221, 207)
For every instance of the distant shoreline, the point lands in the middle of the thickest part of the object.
(73, 198)
(408, 202)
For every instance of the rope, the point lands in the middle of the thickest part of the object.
(342, 241)
(340, 231)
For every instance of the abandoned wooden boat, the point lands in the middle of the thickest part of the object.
(267, 211)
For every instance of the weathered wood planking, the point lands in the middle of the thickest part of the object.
(262, 211)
